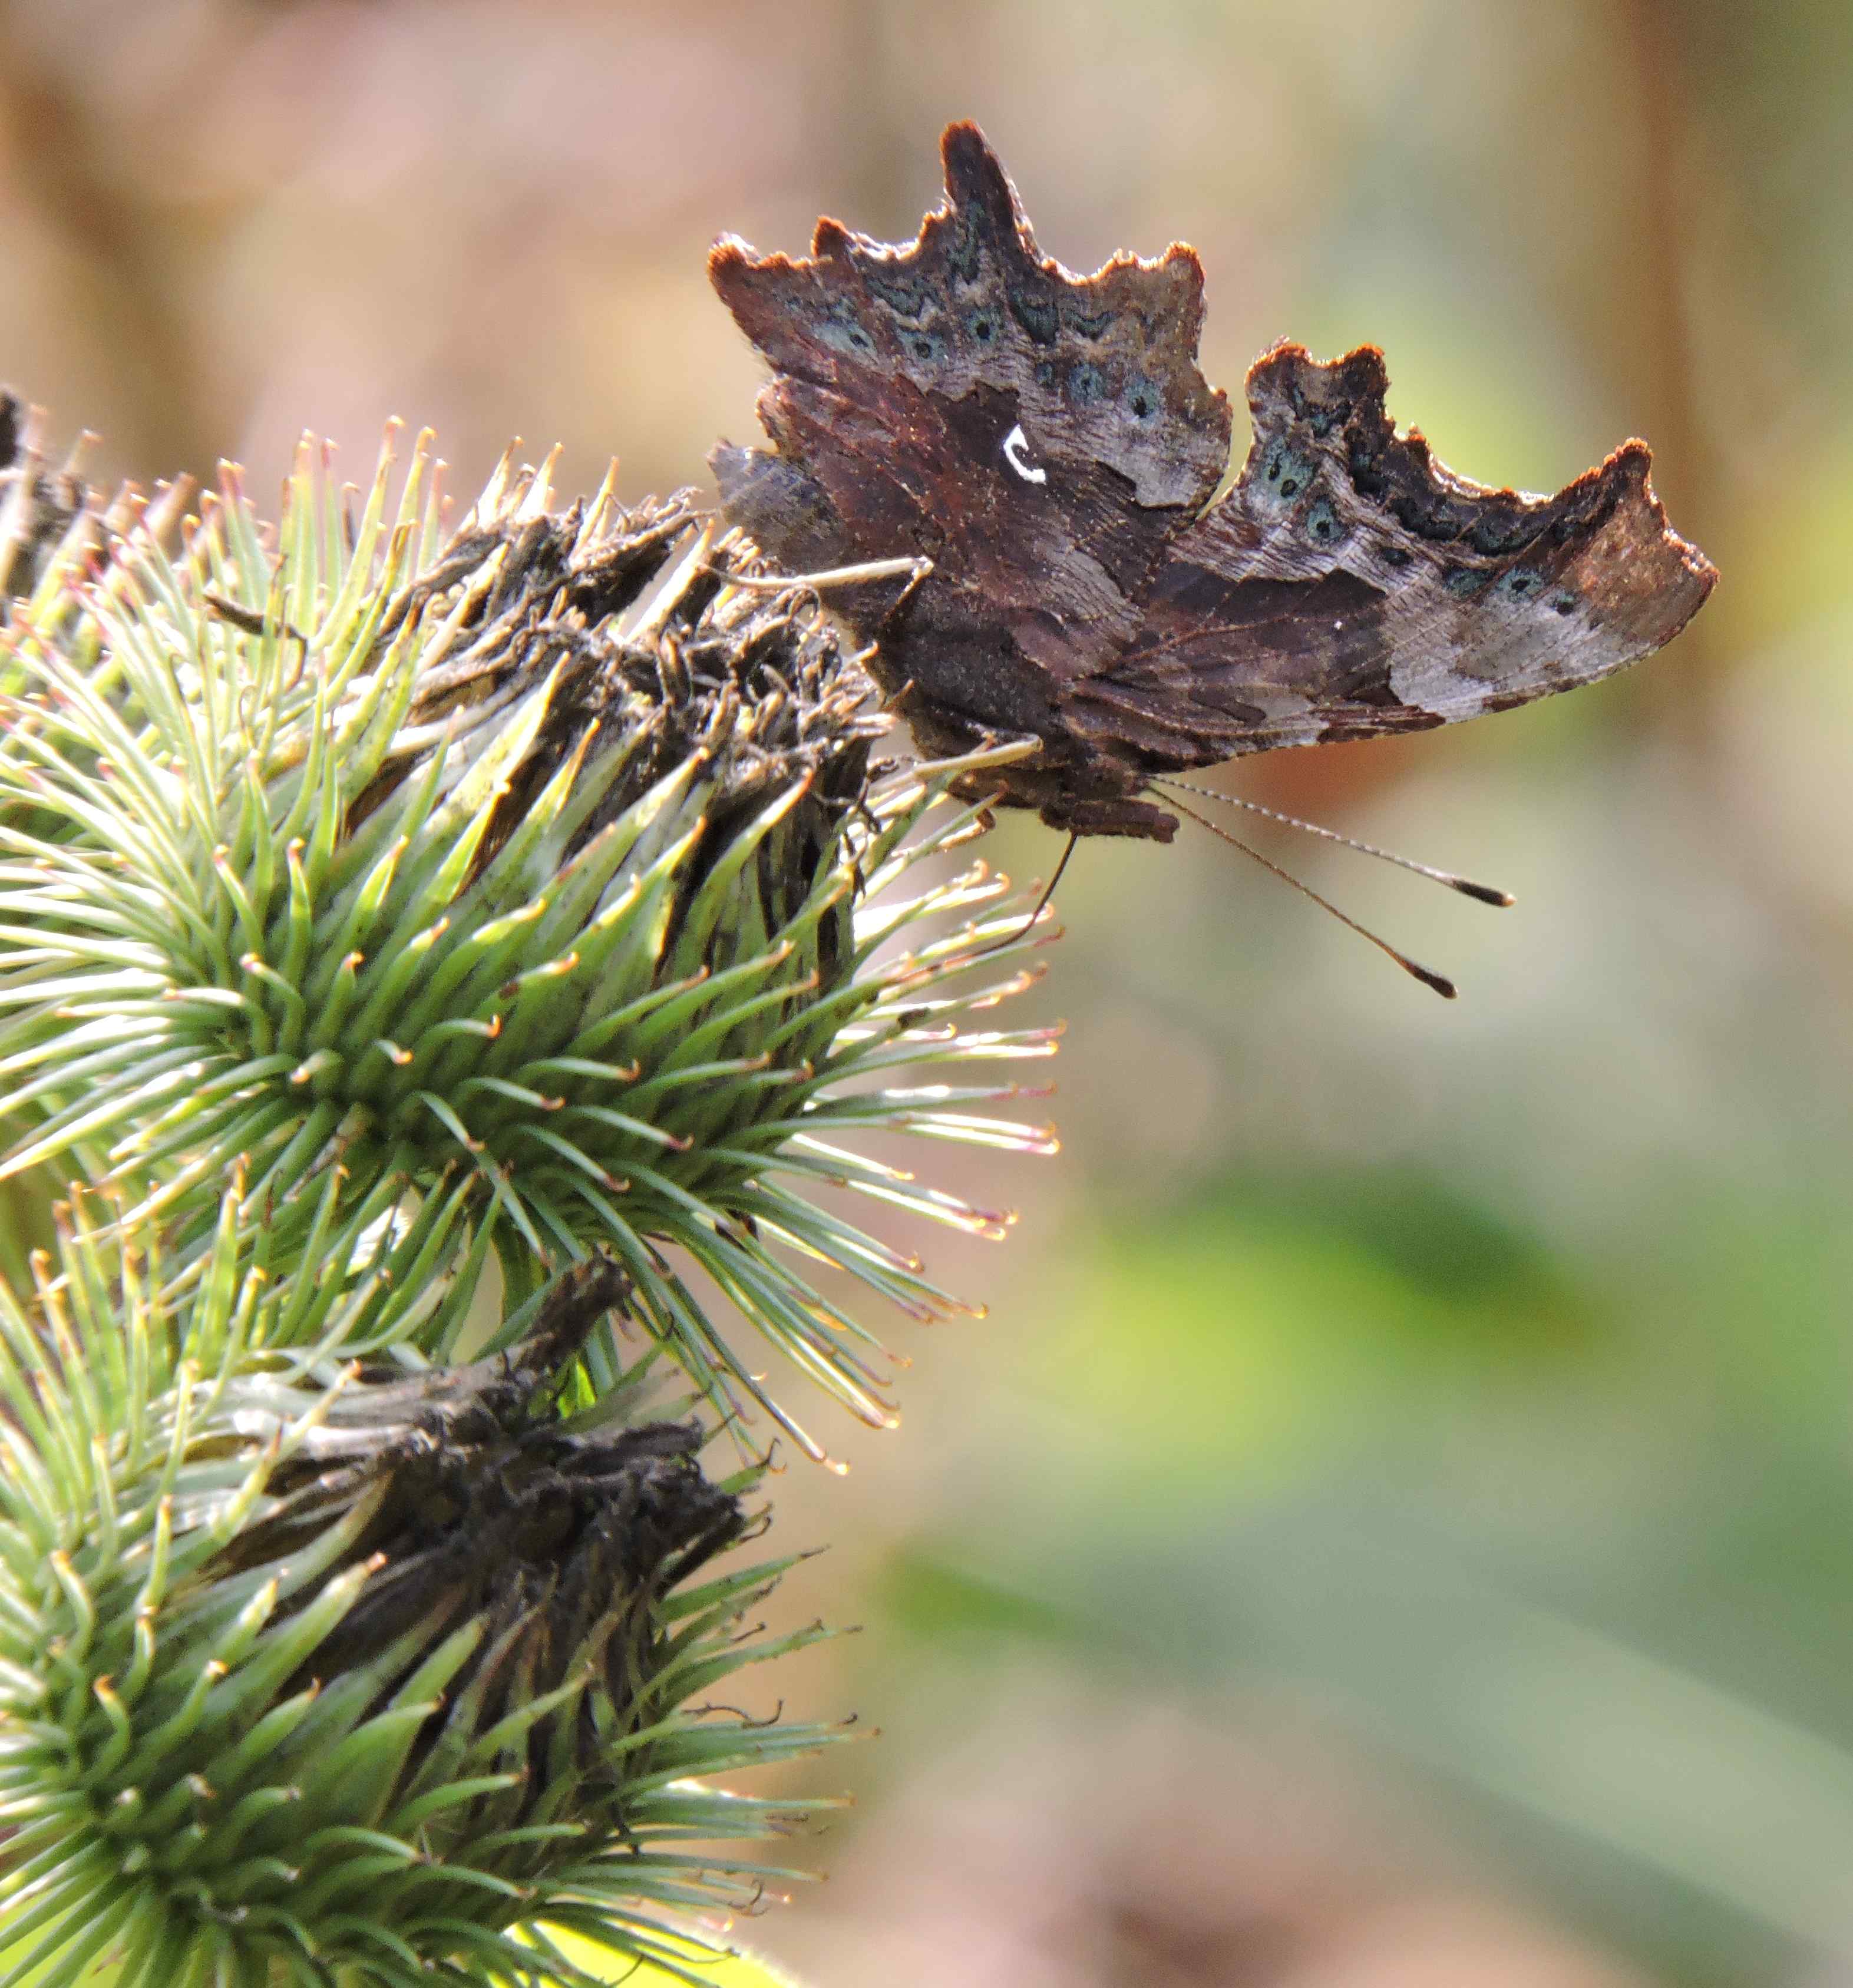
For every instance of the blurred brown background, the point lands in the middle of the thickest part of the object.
(1395, 1525)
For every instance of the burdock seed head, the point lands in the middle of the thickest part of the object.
(529, 889)
(314, 1671)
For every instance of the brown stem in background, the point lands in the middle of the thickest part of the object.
(1685, 472)
(128, 259)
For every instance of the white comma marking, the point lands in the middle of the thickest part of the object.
(1016, 453)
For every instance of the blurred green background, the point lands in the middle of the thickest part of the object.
(1395, 1524)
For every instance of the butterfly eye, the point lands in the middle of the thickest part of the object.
(924, 346)
(1520, 581)
(983, 329)
(1464, 580)
(1087, 384)
(1142, 400)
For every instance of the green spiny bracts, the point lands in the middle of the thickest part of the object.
(312, 1676)
(534, 870)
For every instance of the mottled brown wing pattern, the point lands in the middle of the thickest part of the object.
(1047, 441)
(1347, 586)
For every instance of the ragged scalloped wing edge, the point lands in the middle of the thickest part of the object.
(969, 165)
(1363, 378)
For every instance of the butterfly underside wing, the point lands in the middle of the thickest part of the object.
(1047, 441)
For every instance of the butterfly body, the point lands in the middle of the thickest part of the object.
(1048, 443)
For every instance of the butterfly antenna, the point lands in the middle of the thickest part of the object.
(1442, 985)
(1029, 924)
(1484, 893)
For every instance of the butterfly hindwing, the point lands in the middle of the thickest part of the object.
(1347, 585)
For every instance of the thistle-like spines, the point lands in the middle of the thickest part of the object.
(305, 1679)
(522, 872)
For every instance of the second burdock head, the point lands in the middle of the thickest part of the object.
(312, 1669)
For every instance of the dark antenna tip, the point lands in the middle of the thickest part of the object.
(1482, 894)
(1439, 982)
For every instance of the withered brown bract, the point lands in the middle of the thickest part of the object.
(1047, 441)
